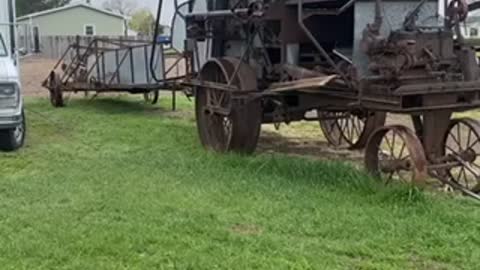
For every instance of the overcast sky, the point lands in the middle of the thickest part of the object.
(168, 12)
(153, 5)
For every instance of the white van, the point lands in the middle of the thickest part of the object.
(12, 118)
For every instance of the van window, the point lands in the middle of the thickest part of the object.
(3, 48)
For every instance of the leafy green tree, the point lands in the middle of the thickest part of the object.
(143, 22)
(25, 7)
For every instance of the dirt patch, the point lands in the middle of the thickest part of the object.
(246, 229)
(278, 142)
(305, 139)
(34, 70)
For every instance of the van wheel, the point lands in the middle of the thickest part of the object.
(13, 139)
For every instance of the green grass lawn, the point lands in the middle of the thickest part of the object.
(115, 184)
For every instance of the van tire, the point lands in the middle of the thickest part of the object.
(13, 139)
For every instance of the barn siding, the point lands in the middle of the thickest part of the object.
(72, 21)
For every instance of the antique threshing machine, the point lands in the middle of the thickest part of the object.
(352, 62)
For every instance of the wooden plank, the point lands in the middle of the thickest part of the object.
(303, 84)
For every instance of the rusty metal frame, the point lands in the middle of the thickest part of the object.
(421, 96)
(96, 49)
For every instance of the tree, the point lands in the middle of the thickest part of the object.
(25, 7)
(143, 22)
(124, 7)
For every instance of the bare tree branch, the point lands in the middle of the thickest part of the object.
(124, 7)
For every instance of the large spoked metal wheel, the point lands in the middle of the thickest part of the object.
(56, 93)
(151, 97)
(225, 124)
(395, 154)
(462, 145)
(350, 129)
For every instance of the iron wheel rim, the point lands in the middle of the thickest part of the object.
(395, 154)
(219, 127)
(349, 129)
(457, 144)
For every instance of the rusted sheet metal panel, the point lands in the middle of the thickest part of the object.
(133, 65)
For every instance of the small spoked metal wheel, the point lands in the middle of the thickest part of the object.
(225, 124)
(56, 93)
(462, 146)
(395, 153)
(151, 97)
(350, 129)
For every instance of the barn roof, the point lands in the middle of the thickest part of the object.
(67, 7)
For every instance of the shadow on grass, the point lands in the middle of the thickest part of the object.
(279, 159)
(116, 106)
(135, 107)
(290, 172)
(318, 149)
(132, 107)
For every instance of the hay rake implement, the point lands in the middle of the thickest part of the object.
(104, 65)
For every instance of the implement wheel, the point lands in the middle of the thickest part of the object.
(56, 93)
(151, 97)
(462, 144)
(226, 124)
(350, 129)
(396, 154)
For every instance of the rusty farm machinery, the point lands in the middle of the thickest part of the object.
(252, 62)
(105, 65)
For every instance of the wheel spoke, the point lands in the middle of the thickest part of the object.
(468, 138)
(352, 130)
(221, 99)
(348, 128)
(459, 138)
(388, 142)
(357, 128)
(476, 165)
(455, 140)
(393, 144)
(452, 150)
(342, 131)
(474, 143)
(401, 178)
(332, 124)
(402, 150)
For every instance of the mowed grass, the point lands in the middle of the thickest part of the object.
(115, 184)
